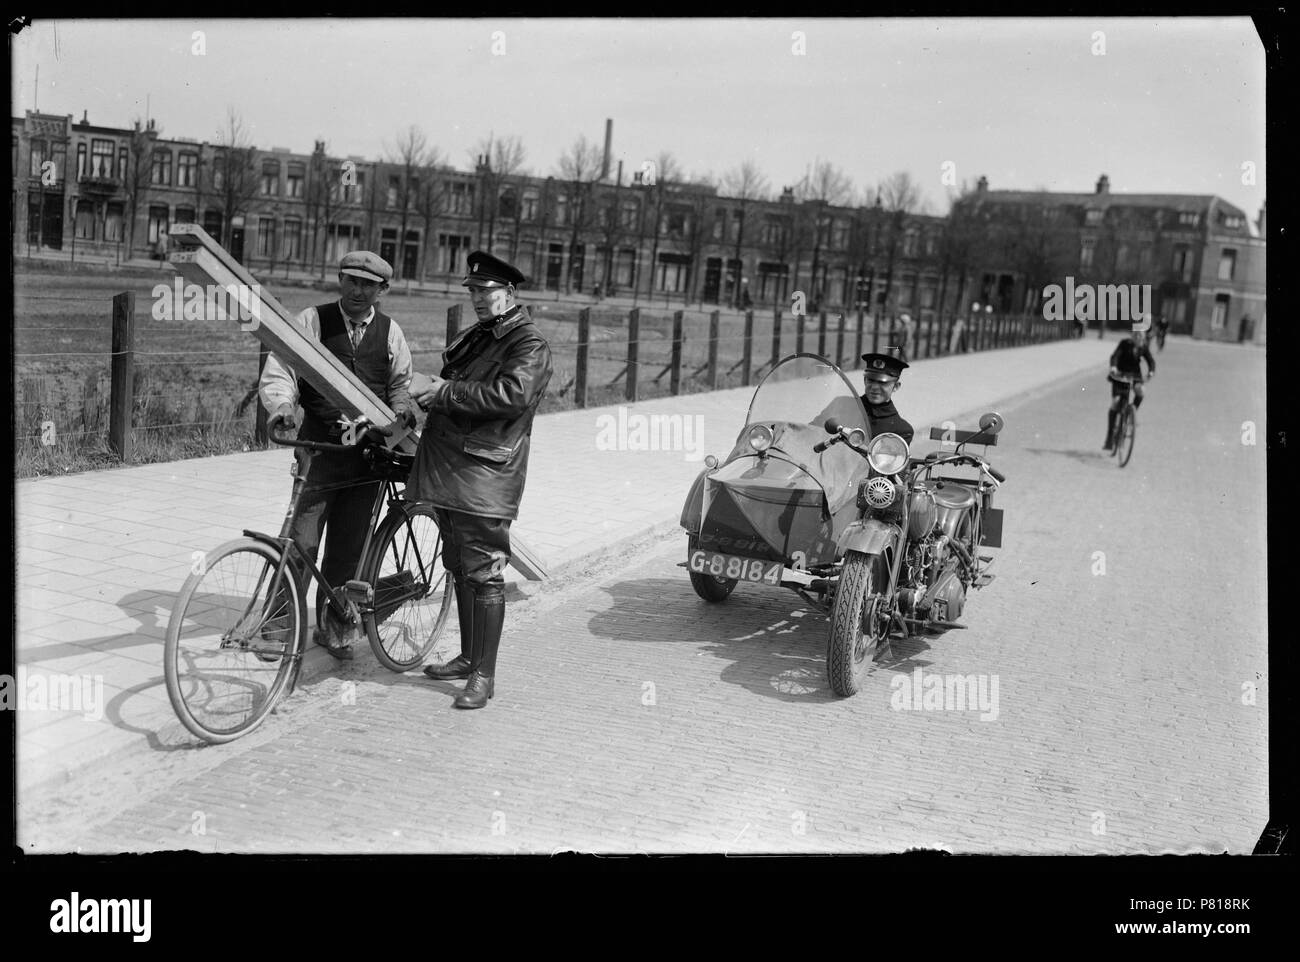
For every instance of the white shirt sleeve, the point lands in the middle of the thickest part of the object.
(279, 382)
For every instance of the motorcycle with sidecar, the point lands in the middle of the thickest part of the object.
(808, 500)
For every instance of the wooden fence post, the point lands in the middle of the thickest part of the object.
(675, 376)
(839, 342)
(798, 333)
(875, 334)
(580, 368)
(715, 323)
(929, 337)
(862, 329)
(821, 333)
(453, 322)
(748, 357)
(776, 335)
(121, 403)
(633, 342)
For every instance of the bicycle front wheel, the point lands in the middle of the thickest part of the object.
(233, 640)
(412, 590)
(1125, 432)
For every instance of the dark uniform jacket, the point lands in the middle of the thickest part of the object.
(1127, 358)
(886, 419)
(473, 454)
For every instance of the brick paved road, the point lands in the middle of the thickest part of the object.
(631, 715)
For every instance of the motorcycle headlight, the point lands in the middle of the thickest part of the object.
(759, 438)
(887, 454)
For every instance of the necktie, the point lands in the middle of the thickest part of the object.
(357, 331)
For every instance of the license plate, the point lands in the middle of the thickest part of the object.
(737, 569)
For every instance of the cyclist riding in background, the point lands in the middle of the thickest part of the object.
(1126, 362)
(1162, 329)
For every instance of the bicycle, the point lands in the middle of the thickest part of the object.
(238, 629)
(1126, 423)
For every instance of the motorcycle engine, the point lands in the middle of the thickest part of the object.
(949, 598)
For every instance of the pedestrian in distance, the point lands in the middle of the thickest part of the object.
(339, 488)
(473, 460)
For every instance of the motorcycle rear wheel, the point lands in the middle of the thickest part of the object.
(859, 623)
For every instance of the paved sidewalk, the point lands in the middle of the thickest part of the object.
(101, 555)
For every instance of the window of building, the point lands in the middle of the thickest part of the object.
(625, 267)
(59, 154)
(101, 158)
(773, 280)
(292, 239)
(530, 207)
(1189, 219)
(157, 223)
(1093, 217)
(839, 235)
(774, 233)
(81, 161)
(508, 204)
(927, 296)
(931, 244)
(1183, 261)
(674, 273)
(39, 148)
(1219, 320)
(677, 223)
(905, 290)
(719, 223)
(265, 237)
(1227, 264)
(160, 173)
(462, 198)
(909, 243)
(1232, 221)
(1087, 247)
(340, 239)
(270, 178)
(185, 215)
(123, 156)
(561, 209)
(212, 221)
(187, 170)
(451, 249)
(394, 187)
(630, 211)
(85, 220)
(297, 177)
(113, 223)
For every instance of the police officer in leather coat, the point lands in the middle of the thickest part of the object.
(473, 460)
(881, 379)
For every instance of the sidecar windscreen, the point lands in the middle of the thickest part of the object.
(806, 389)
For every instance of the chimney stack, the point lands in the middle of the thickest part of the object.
(982, 185)
(1103, 185)
(609, 139)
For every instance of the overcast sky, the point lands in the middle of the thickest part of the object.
(1172, 105)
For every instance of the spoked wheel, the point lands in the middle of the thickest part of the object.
(412, 589)
(234, 640)
(1125, 432)
(859, 623)
(707, 586)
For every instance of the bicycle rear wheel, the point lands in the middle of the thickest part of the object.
(234, 640)
(1125, 433)
(412, 590)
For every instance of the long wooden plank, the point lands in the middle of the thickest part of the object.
(202, 261)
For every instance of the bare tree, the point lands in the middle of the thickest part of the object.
(407, 156)
(899, 196)
(140, 166)
(745, 184)
(580, 167)
(430, 201)
(666, 175)
(498, 160)
(234, 166)
(823, 187)
(324, 195)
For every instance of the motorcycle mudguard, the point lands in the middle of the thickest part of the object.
(868, 536)
(694, 502)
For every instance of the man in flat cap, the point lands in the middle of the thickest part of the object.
(339, 490)
(881, 379)
(473, 460)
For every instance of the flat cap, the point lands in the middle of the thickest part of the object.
(488, 271)
(366, 264)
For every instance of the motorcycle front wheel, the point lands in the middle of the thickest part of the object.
(859, 622)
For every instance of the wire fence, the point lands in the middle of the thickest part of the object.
(194, 391)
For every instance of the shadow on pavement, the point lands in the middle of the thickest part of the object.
(1085, 457)
(775, 641)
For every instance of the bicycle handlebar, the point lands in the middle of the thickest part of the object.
(288, 442)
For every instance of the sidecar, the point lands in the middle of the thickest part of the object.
(772, 511)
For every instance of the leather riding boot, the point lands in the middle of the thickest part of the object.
(489, 615)
(459, 667)
(1110, 430)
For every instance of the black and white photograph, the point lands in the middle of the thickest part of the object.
(726, 436)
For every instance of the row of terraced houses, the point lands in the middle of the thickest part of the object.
(112, 193)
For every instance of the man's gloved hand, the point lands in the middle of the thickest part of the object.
(408, 415)
(283, 418)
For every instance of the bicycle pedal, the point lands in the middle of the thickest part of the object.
(986, 557)
(360, 591)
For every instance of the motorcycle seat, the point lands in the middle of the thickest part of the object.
(954, 496)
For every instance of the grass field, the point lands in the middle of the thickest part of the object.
(195, 381)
